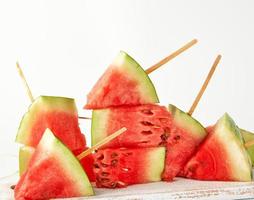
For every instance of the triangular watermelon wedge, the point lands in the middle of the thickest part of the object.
(185, 135)
(56, 113)
(123, 83)
(53, 172)
(222, 156)
(26, 152)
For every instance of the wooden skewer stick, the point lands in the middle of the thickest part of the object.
(171, 56)
(101, 143)
(205, 84)
(28, 90)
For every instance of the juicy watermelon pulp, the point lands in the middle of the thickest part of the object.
(53, 172)
(147, 125)
(221, 156)
(123, 83)
(125, 166)
(56, 113)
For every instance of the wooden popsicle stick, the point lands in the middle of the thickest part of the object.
(171, 56)
(28, 90)
(205, 84)
(101, 143)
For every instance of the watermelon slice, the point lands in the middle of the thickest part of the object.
(185, 135)
(54, 172)
(248, 136)
(57, 113)
(222, 156)
(125, 166)
(147, 125)
(25, 154)
(123, 83)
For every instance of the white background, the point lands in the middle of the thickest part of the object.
(64, 46)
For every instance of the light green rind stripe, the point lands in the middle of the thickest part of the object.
(68, 161)
(187, 123)
(42, 104)
(249, 136)
(99, 125)
(25, 154)
(128, 65)
(229, 136)
(156, 163)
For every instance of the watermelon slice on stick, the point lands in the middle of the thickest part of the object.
(222, 156)
(54, 172)
(125, 166)
(185, 136)
(84, 156)
(126, 83)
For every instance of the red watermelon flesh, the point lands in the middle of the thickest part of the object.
(87, 164)
(125, 166)
(123, 83)
(26, 153)
(222, 156)
(147, 126)
(53, 172)
(57, 113)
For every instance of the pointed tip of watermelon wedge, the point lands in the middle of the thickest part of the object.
(187, 122)
(65, 176)
(226, 123)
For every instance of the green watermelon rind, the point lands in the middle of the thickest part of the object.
(68, 162)
(129, 66)
(156, 163)
(41, 104)
(249, 136)
(230, 137)
(25, 154)
(187, 123)
(99, 125)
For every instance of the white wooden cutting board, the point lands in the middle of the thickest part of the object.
(181, 189)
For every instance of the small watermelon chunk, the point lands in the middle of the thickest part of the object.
(25, 154)
(147, 125)
(123, 83)
(56, 113)
(222, 156)
(185, 135)
(248, 136)
(54, 172)
(125, 166)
